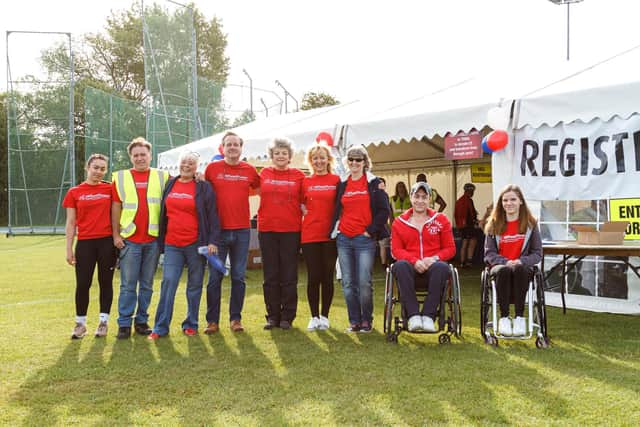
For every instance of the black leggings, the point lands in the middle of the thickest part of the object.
(89, 253)
(512, 283)
(320, 258)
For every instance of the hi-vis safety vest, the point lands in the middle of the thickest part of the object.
(126, 188)
(400, 206)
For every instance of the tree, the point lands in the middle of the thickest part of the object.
(244, 118)
(311, 100)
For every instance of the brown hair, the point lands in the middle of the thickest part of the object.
(138, 142)
(229, 133)
(497, 223)
(96, 156)
(320, 147)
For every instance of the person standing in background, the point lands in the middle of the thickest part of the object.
(318, 249)
(400, 200)
(89, 212)
(135, 218)
(232, 181)
(466, 217)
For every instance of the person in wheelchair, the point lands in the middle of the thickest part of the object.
(421, 243)
(512, 248)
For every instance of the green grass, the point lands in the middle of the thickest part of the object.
(589, 376)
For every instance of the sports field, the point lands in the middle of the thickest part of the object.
(590, 375)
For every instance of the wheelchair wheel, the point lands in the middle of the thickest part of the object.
(444, 339)
(388, 309)
(485, 303)
(542, 342)
(456, 306)
(491, 340)
(540, 307)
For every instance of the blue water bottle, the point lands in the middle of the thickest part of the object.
(213, 259)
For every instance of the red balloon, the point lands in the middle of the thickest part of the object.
(326, 137)
(220, 149)
(497, 140)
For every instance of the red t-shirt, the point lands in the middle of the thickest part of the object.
(93, 209)
(280, 199)
(319, 194)
(232, 183)
(182, 216)
(356, 208)
(511, 241)
(141, 235)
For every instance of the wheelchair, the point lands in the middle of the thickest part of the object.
(534, 306)
(448, 318)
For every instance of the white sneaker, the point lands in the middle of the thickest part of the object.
(323, 323)
(415, 323)
(427, 324)
(504, 326)
(519, 326)
(314, 323)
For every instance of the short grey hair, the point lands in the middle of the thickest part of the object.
(359, 151)
(191, 155)
(281, 142)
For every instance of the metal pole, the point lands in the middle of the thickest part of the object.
(9, 100)
(266, 110)
(568, 8)
(250, 90)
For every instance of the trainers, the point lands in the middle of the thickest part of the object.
(427, 324)
(519, 326)
(211, 328)
(415, 323)
(504, 326)
(189, 332)
(101, 331)
(365, 327)
(324, 323)
(271, 324)
(355, 327)
(142, 328)
(79, 331)
(285, 324)
(124, 332)
(314, 324)
(236, 326)
(153, 336)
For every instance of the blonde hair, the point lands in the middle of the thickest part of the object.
(314, 150)
(138, 142)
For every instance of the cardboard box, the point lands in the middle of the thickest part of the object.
(611, 233)
(254, 261)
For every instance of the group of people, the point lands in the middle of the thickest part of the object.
(144, 212)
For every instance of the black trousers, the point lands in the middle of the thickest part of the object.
(434, 280)
(280, 270)
(320, 258)
(512, 283)
(89, 253)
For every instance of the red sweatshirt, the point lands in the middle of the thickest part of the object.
(280, 199)
(410, 244)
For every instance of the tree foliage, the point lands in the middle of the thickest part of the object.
(311, 100)
(244, 118)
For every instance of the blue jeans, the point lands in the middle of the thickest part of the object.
(235, 243)
(175, 258)
(138, 263)
(356, 255)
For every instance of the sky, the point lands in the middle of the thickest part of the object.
(367, 50)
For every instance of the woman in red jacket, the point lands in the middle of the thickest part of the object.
(279, 222)
(421, 242)
(319, 251)
(89, 213)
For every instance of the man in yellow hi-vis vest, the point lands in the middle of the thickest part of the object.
(135, 215)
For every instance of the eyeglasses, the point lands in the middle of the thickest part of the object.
(351, 159)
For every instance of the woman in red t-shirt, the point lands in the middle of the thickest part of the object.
(188, 221)
(279, 221)
(318, 249)
(512, 247)
(89, 214)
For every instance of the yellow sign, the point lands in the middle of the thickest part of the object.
(481, 172)
(627, 210)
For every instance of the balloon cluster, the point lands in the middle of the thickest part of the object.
(220, 154)
(326, 137)
(495, 141)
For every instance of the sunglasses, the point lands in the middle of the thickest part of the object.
(351, 159)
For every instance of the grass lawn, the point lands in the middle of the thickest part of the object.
(590, 375)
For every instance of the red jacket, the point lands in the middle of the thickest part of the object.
(410, 244)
